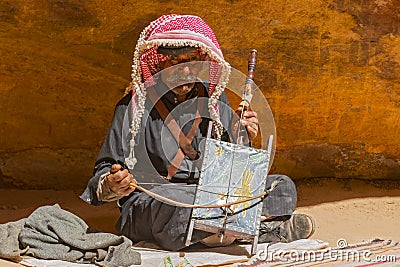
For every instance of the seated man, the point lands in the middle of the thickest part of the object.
(163, 103)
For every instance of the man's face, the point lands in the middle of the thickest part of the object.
(179, 73)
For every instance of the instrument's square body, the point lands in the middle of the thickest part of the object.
(230, 173)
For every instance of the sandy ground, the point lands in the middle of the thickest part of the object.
(353, 210)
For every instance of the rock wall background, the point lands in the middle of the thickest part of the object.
(329, 69)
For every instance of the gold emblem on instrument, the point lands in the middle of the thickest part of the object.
(244, 192)
(219, 151)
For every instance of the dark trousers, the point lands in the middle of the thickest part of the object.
(144, 218)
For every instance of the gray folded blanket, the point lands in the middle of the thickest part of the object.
(53, 233)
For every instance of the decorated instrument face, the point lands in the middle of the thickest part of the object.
(231, 173)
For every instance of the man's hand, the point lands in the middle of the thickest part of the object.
(120, 181)
(250, 121)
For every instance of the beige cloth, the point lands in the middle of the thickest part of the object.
(104, 192)
(216, 241)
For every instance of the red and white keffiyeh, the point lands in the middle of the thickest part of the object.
(179, 31)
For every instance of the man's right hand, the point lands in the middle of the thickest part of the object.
(120, 181)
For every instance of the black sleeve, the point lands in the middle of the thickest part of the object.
(110, 153)
(227, 115)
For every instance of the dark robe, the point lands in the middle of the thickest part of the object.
(145, 218)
